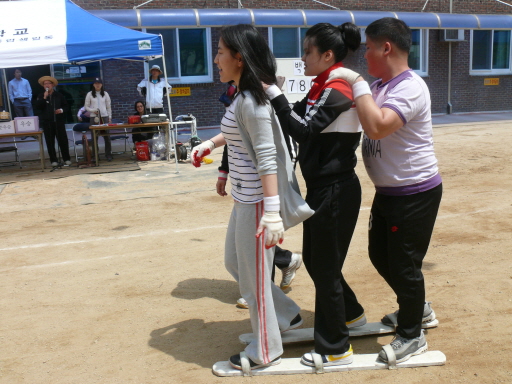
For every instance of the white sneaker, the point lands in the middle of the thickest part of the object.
(55, 164)
(241, 303)
(289, 272)
(329, 360)
(67, 163)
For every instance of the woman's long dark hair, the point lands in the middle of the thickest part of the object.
(340, 39)
(143, 104)
(259, 62)
(102, 91)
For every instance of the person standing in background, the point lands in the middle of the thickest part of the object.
(52, 105)
(153, 89)
(20, 94)
(97, 103)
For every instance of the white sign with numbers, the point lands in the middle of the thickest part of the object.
(296, 85)
(7, 127)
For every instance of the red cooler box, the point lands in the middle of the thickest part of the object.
(134, 119)
(26, 124)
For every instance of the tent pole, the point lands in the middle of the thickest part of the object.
(6, 98)
(171, 136)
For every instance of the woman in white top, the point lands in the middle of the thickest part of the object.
(261, 176)
(97, 102)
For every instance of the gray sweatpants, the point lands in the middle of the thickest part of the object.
(250, 264)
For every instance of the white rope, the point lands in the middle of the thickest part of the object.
(327, 5)
(246, 366)
(319, 364)
(502, 2)
(390, 353)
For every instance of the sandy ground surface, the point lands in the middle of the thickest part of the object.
(119, 277)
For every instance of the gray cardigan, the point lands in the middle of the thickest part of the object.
(261, 133)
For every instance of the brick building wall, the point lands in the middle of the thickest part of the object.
(459, 6)
(468, 92)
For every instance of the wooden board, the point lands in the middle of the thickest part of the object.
(306, 334)
(361, 362)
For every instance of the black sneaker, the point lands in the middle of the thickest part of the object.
(295, 323)
(236, 363)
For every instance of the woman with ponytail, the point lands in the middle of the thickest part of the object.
(326, 127)
(263, 187)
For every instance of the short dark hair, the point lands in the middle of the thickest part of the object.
(259, 62)
(339, 39)
(393, 30)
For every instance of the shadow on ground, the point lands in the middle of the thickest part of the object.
(225, 291)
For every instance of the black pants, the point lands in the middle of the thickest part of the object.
(143, 135)
(399, 234)
(57, 130)
(327, 236)
(282, 259)
(154, 110)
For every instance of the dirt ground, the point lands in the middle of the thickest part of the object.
(119, 277)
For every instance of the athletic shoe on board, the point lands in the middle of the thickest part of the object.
(241, 303)
(289, 272)
(67, 162)
(406, 348)
(236, 363)
(357, 322)
(328, 360)
(295, 323)
(55, 164)
(428, 315)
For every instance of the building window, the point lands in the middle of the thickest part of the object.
(188, 54)
(490, 52)
(286, 43)
(418, 55)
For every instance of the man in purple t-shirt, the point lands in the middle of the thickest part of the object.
(399, 157)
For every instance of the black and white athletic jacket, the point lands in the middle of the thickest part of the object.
(326, 127)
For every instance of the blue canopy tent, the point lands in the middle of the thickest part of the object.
(52, 31)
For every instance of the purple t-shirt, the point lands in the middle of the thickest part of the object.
(404, 162)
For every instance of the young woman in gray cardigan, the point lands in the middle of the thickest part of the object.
(264, 189)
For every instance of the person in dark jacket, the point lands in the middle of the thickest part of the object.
(326, 127)
(142, 133)
(51, 106)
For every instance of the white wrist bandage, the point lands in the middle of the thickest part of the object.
(361, 88)
(273, 91)
(272, 203)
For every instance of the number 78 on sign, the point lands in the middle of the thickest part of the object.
(298, 84)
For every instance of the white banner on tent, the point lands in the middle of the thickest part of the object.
(29, 32)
